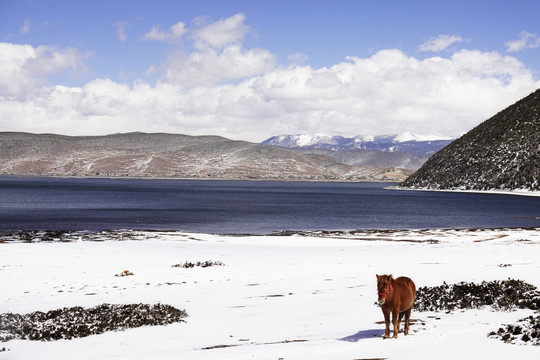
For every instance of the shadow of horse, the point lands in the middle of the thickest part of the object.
(364, 334)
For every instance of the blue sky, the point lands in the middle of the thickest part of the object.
(253, 69)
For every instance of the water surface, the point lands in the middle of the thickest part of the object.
(225, 207)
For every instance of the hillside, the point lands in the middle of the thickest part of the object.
(357, 157)
(170, 155)
(502, 153)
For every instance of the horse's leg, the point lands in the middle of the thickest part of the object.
(399, 319)
(387, 323)
(395, 322)
(407, 316)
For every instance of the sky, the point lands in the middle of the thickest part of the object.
(250, 70)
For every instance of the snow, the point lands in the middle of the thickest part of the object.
(522, 192)
(301, 140)
(277, 297)
(408, 136)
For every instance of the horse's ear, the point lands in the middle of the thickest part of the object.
(377, 276)
(390, 277)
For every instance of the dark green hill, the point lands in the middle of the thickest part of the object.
(502, 153)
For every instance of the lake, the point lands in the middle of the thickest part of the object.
(254, 207)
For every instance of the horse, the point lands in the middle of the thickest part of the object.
(396, 296)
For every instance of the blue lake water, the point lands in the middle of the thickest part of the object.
(256, 207)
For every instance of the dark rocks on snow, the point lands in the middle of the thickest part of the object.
(525, 331)
(203, 264)
(501, 295)
(77, 322)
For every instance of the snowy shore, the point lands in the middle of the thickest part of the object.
(306, 295)
(521, 192)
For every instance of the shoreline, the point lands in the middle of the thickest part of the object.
(493, 192)
(122, 177)
(425, 235)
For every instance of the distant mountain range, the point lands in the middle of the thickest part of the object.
(374, 158)
(182, 156)
(502, 153)
(407, 142)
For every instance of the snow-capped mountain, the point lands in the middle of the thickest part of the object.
(424, 146)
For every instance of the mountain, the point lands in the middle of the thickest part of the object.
(502, 153)
(171, 155)
(375, 158)
(404, 142)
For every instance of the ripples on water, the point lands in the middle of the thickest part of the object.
(255, 207)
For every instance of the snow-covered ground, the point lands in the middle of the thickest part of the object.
(277, 297)
(523, 192)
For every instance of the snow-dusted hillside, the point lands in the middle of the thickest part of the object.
(174, 156)
(502, 153)
(406, 142)
(357, 157)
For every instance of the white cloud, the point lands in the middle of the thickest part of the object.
(526, 40)
(177, 30)
(392, 92)
(222, 33)
(220, 87)
(23, 68)
(173, 35)
(440, 43)
(387, 92)
(210, 67)
(218, 56)
(121, 30)
(25, 29)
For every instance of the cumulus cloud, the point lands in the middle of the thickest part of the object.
(218, 56)
(209, 67)
(222, 33)
(387, 92)
(526, 40)
(393, 92)
(220, 87)
(440, 43)
(23, 68)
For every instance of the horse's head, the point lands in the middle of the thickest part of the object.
(384, 287)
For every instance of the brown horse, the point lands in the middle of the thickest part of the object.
(396, 296)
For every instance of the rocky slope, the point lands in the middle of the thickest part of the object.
(375, 158)
(502, 153)
(170, 155)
